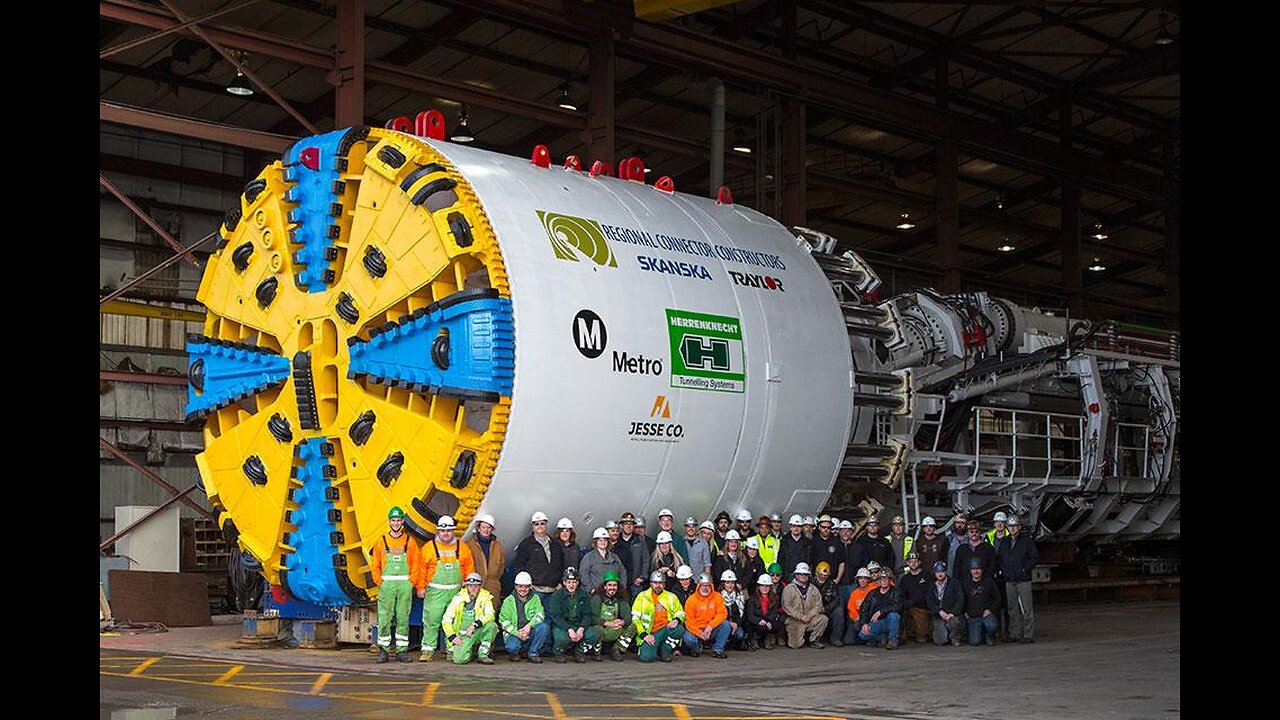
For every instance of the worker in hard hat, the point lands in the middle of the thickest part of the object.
(766, 541)
(808, 523)
(753, 566)
(729, 557)
(667, 522)
(826, 547)
(665, 559)
(567, 542)
(946, 606)
(538, 555)
(795, 548)
(913, 586)
(571, 621)
(974, 547)
(524, 621)
(722, 525)
(735, 605)
(876, 547)
(651, 544)
(611, 617)
(598, 561)
(684, 585)
(802, 604)
(900, 542)
(1016, 557)
(702, 551)
(994, 537)
(831, 607)
(393, 558)
(706, 620)
(470, 623)
(659, 620)
(853, 608)
(743, 520)
(764, 614)
(489, 555)
(981, 604)
(444, 562)
(880, 616)
(931, 544)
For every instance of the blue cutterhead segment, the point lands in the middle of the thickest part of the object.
(312, 167)
(223, 372)
(310, 567)
(461, 346)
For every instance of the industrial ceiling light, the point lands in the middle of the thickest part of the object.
(1097, 265)
(462, 133)
(239, 85)
(1162, 36)
(1098, 234)
(564, 100)
(1000, 202)
(1005, 245)
(740, 141)
(906, 223)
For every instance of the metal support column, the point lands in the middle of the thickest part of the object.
(348, 75)
(600, 130)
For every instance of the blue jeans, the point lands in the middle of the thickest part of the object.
(886, 627)
(719, 638)
(978, 624)
(539, 638)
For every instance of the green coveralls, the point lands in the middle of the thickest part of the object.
(625, 635)
(461, 654)
(440, 590)
(395, 596)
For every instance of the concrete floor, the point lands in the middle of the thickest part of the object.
(1113, 660)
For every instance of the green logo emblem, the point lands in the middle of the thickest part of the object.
(706, 351)
(569, 234)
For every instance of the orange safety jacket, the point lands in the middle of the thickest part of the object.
(701, 613)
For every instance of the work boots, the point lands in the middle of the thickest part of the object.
(382, 655)
(403, 656)
(615, 653)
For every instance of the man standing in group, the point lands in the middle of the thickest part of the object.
(913, 588)
(851, 558)
(901, 543)
(489, 556)
(538, 556)
(993, 538)
(723, 521)
(744, 524)
(956, 536)
(395, 556)
(931, 546)
(875, 546)
(1017, 557)
(523, 621)
(659, 620)
(650, 543)
(946, 606)
(632, 551)
(999, 530)
(802, 604)
(469, 624)
(571, 623)
(444, 562)
(826, 547)
(975, 548)
(766, 541)
(795, 547)
(982, 602)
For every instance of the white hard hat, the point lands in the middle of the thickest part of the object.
(446, 522)
(1013, 520)
(664, 512)
(691, 520)
(873, 565)
(640, 521)
(707, 525)
(846, 525)
(753, 542)
(1000, 517)
(538, 517)
(795, 520)
(808, 520)
(600, 534)
(764, 580)
(486, 518)
(928, 520)
(564, 524)
(728, 575)
(524, 578)
(775, 517)
(684, 571)
(474, 578)
(657, 576)
(611, 525)
(802, 568)
(732, 535)
(704, 578)
(664, 536)
(863, 572)
(743, 515)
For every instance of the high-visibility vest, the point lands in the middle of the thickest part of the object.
(642, 610)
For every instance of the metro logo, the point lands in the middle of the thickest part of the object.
(706, 351)
(571, 236)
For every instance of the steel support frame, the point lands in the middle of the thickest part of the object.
(155, 478)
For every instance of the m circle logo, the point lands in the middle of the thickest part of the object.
(589, 334)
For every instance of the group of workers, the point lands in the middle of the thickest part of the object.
(707, 588)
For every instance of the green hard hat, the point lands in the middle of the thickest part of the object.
(775, 569)
(611, 576)
(395, 512)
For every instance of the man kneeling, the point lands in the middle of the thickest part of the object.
(469, 623)
(523, 621)
(706, 619)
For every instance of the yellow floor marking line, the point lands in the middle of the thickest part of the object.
(681, 712)
(144, 665)
(429, 693)
(319, 684)
(222, 679)
(617, 705)
(557, 710)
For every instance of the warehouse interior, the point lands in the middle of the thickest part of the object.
(1026, 149)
